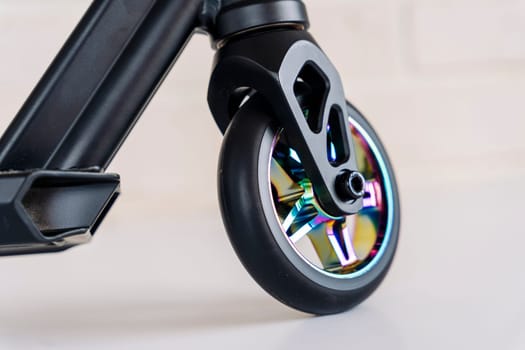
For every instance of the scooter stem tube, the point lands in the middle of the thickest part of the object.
(96, 88)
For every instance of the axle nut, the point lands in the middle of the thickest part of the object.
(351, 185)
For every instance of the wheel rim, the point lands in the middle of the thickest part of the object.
(340, 247)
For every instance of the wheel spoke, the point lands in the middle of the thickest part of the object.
(344, 259)
(372, 198)
(288, 221)
(306, 228)
(287, 189)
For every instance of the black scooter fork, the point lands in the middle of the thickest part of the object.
(306, 96)
(264, 48)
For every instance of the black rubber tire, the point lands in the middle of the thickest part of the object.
(249, 224)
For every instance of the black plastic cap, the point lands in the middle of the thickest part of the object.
(239, 16)
(47, 211)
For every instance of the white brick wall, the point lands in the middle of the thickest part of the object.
(468, 32)
(443, 82)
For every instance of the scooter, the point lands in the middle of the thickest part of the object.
(307, 192)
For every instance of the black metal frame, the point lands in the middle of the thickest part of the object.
(85, 105)
(95, 89)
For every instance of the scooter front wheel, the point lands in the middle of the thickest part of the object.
(297, 252)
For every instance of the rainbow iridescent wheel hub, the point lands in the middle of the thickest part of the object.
(342, 247)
